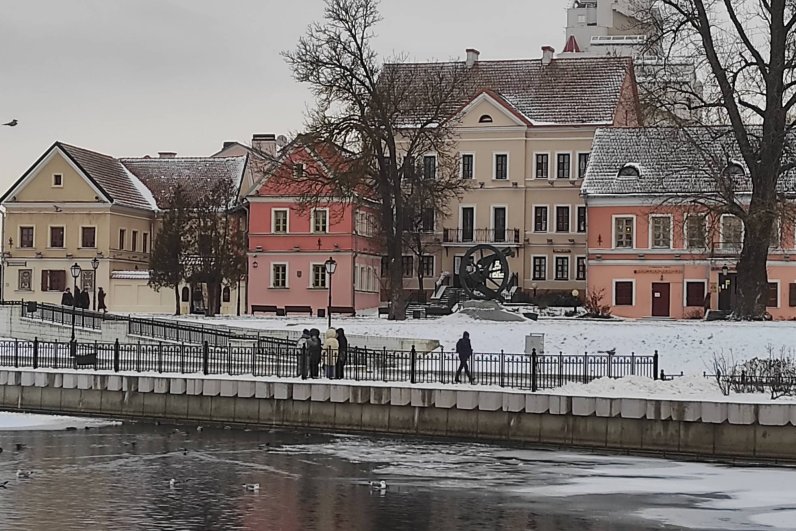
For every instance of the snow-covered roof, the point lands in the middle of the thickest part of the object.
(130, 275)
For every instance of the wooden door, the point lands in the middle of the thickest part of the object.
(660, 300)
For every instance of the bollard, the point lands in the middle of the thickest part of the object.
(655, 365)
(412, 371)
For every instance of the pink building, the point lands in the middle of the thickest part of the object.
(651, 249)
(288, 245)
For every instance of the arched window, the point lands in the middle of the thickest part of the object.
(185, 294)
(629, 171)
(485, 119)
(225, 294)
(734, 169)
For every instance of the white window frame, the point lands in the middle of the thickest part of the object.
(492, 221)
(461, 165)
(494, 165)
(436, 164)
(613, 290)
(312, 276)
(779, 293)
(615, 217)
(19, 235)
(686, 281)
(461, 219)
(533, 219)
(312, 221)
(81, 236)
(433, 265)
(555, 218)
(287, 220)
(52, 182)
(586, 219)
(555, 268)
(671, 231)
(721, 232)
(576, 174)
(546, 267)
(568, 177)
(685, 232)
(287, 275)
(50, 236)
(535, 164)
(585, 266)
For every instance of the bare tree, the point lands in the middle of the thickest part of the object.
(745, 53)
(386, 117)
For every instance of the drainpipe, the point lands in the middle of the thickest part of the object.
(3, 257)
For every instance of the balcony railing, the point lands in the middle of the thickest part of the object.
(481, 236)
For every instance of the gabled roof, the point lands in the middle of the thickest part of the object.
(568, 91)
(669, 161)
(104, 173)
(160, 175)
(500, 101)
(572, 45)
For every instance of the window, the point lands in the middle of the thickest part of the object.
(279, 275)
(26, 237)
(623, 293)
(485, 119)
(583, 164)
(695, 231)
(279, 221)
(429, 167)
(298, 170)
(385, 266)
(88, 237)
(581, 218)
(53, 280)
(185, 294)
(695, 293)
(145, 242)
(408, 263)
(629, 171)
(122, 237)
(773, 295)
(225, 294)
(499, 224)
(661, 232)
(623, 229)
(580, 269)
(427, 220)
(562, 219)
(542, 165)
(540, 219)
(467, 166)
(134, 242)
(563, 166)
(427, 265)
(539, 268)
(791, 295)
(58, 180)
(501, 166)
(25, 280)
(318, 275)
(320, 220)
(562, 267)
(57, 237)
(468, 223)
(731, 232)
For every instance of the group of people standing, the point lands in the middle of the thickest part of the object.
(331, 353)
(81, 299)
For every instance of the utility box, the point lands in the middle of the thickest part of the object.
(534, 341)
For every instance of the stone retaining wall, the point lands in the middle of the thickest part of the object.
(669, 427)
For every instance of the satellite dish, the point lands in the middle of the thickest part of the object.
(281, 141)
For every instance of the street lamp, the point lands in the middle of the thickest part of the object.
(534, 285)
(331, 265)
(94, 266)
(75, 271)
(575, 294)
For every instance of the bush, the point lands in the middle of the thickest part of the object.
(696, 313)
(595, 305)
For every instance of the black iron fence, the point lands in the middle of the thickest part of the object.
(532, 371)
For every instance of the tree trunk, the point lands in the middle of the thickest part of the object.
(421, 292)
(212, 298)
(396, 279)
(752, 280)
(177, 299)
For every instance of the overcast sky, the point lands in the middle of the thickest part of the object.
(134, 77)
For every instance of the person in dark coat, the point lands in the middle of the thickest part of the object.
(314, 350)
(301, 353)
(465, 351)
(101, 307)
(77, 300)
(85, 303)
(342, 353)
(66, 298)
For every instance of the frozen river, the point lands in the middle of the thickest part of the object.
(117, 477)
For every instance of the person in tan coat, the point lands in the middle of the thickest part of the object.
(330, 351)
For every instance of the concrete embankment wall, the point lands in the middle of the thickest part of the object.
(667, 427)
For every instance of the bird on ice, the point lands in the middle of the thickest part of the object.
(23, 474)
(252, 487)
(3, 485)
(378, 485)
(172, 483)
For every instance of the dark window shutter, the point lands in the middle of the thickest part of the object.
(624, 293)
(45, 277)
(773, 296)
(695, 294)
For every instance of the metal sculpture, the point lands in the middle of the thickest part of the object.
(484, 272)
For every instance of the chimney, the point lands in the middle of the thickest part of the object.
(265, 143)
(167, 154)
(472, 57)
(547, 55)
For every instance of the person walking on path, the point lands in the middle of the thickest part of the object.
(330, 349)
(66, 298)
(85, 303)
(342, 353)
(101, 307)
(77, 300)
(301, 353)
(314, 351)
(465, 350)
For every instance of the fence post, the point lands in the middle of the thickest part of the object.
(35, 352)
(610, 365)
(384, 363)
(182, 358)
(632, 364)
(160, 356)
(16, 352)
(205, 358)
(303, 362)
(502, 360)
(655, 365)
(116, 355)
(561, 368)
(254, 360)
(229, 358)
(585, 367)
(138, 356)
(96, 355)
(534, 385)
(412, 371)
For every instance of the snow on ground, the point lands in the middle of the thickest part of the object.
(25, 421)
(686, 346)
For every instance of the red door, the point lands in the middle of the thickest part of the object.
(660, 300)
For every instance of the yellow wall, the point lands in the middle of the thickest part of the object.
(40, 188)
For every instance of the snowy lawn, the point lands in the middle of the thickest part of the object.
(686, 346)
(26, 421)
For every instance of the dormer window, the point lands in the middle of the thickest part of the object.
(734, 169)
(485, 119)
(629, 171)
(298, 170)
